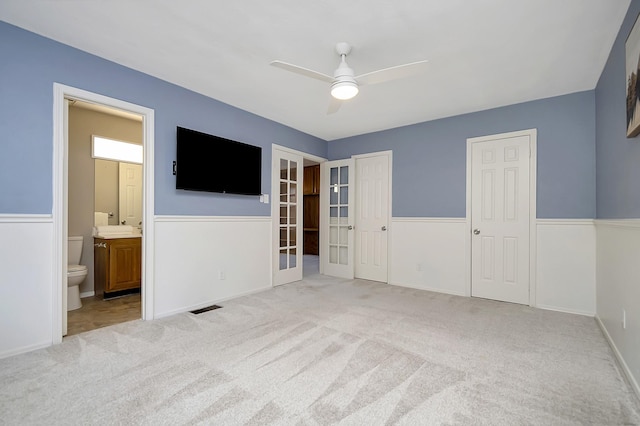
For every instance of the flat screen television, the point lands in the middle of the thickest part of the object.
(214, 164)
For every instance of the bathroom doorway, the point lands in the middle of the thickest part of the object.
(105, 194)
(63, 96)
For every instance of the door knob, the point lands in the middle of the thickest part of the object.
(123, 222)
(384, 228)
(350, 227)
(476, 231)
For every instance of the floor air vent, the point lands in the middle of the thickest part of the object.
(207, 309)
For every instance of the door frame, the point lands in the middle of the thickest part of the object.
(60, 199)
(533, 161)
(389, 155)
(275, 201)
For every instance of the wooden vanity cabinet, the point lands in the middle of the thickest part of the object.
(117, 264)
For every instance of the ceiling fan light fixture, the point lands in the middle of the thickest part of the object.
(344, 90)
(344, 83)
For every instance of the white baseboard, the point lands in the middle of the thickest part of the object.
(87, 294)
(623, 364)
(427, 288)
(211, 302)
(24, 349)
(566, 311)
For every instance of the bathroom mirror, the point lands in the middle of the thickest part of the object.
(118, 182)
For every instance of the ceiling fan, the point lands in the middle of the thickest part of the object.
(344, 84)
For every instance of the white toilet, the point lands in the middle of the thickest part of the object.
(76, 273)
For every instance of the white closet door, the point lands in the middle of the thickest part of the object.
(500, 219)
(372, 217)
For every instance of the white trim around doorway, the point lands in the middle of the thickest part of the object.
(60, 208)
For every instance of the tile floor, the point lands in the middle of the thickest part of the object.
(97, 313)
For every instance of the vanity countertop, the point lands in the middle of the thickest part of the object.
(112, 232)
(114, 236)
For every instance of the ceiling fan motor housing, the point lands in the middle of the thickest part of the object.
(344, 72)
(344, 87)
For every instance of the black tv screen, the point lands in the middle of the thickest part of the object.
(214, 164)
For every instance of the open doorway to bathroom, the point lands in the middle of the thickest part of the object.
(104, 222)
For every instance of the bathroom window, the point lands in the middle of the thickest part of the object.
(110, 149)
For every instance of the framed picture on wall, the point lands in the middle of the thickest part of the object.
(632, 56)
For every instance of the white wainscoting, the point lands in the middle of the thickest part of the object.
(618, 289)
(566, 266)
(26, 282)
(192, 251)
(430, 254)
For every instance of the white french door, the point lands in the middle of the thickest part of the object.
(336, 215)
(287, 214)
(500, 217)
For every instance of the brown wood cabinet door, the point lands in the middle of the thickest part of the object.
(311, 245)
(316, 179)
(307, 185)
(311, 183)
(125, 260)
(311, 217)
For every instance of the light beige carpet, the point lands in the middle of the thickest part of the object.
(325, 351)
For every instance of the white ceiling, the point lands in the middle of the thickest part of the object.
(482, 53)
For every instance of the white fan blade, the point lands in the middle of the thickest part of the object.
(393, 73)
(303, 71)
(334, 105)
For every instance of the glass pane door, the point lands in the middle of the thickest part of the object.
(338, 232)
(288, 213)
(288, 231)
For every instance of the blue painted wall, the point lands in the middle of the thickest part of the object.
(30, 64)
(429, 159)
(618, 158)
